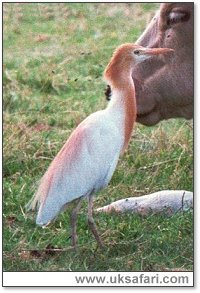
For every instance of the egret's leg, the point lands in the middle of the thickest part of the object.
(74, 222)
(91, 222)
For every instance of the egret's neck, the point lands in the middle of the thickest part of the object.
(123, 104)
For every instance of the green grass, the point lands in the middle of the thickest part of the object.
(54, 57)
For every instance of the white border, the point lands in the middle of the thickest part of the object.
(67, 278)
(110, 279)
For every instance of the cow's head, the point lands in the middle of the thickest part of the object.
(164, 87)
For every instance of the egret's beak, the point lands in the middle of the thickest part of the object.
(156, 51)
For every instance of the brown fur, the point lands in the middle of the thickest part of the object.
(167, 90)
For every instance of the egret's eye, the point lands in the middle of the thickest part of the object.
(137, 52)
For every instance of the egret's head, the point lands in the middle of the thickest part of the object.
(126, 56)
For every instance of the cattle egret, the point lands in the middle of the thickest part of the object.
(86, 162)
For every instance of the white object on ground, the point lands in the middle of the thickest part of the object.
(165, 201)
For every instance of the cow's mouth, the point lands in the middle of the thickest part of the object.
(141, 114)
(149, 118)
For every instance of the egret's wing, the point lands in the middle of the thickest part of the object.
(84, 164)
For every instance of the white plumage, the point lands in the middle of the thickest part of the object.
(89, 167)
(88, 159)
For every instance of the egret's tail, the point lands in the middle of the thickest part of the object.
(39, 195)
(33, 203)
(47, 200)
